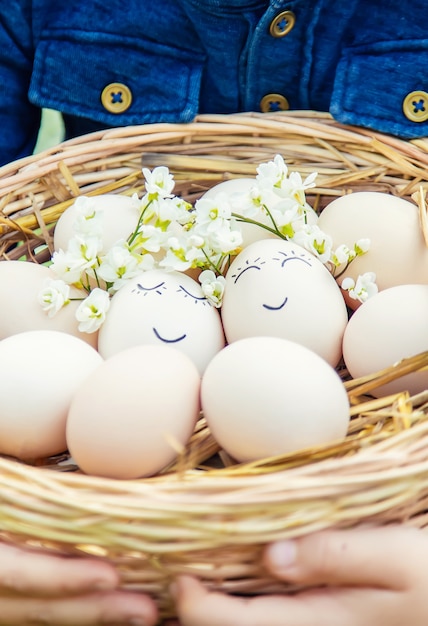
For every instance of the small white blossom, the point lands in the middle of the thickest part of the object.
(246, 203)
(273, 177)
(212, 287)
(91, 312)
(342, 255)
(363, 288)
(175, 259)
(315, 240)
(272, 173)
(83, 251)
(173, 210)
(362, 246)
(119, 265)
(54, 295)
(212, 213)
(150, 238)
(65, 267)
(88, 220)
(293, 187)
(226, 240)
(286, 217)
(159, 182)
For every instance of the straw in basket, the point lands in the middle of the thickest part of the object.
(194, 517)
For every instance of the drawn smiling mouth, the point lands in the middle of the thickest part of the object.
(165, 340)
(275, 308)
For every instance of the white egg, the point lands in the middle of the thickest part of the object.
(40, 371)
(265, 396)
(388, 327)
(398, 254)
(118, 218)
(135, 413)
(166, 308)
(276, 288)
(20, 285)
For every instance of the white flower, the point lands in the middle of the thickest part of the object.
(54, 295)
(272, 173)
(174, 210)
(159, 182)
(175, 259)
(88, 220)
(65, 267)
(286, 217)
(342, 255)
(295, 188)
(91, 312)
(212, 287)
(315, 240)
(362, 246)
(364, 288)
(226, 240)
(274, 177)
(149, 238)
(246, 203)
(119, 265)
(215, 225)
(83, 251)
(212, 213)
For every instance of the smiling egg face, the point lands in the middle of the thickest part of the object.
(276, 288)
(167, 308)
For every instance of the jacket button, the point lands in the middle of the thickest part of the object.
(415, 106)
(116, 98)
(273, 102)
(282, 24)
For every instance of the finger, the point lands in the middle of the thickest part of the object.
(377, 557)
(197, 606)
(91, 610)
(33, 573)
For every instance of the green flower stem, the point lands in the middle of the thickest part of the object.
(133, 235)
(277, 231)
(342, 271)
(213, 266)
(247, 220)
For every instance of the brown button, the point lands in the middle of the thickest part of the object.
(116, 98)
(273, 102)
(282, 24)
(415, 106)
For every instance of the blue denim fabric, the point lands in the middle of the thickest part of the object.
(356, 59)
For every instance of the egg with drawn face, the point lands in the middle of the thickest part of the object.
(160, 307)
(276, 288)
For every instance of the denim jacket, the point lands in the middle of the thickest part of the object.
(107, 63)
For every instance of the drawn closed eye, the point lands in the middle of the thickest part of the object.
(293, 257)
(241, 270)
(192, 295)
(159, 288)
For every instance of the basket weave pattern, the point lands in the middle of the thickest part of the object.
(197, 519)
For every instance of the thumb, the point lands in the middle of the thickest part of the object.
(375, 557)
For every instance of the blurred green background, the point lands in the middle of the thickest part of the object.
(51, 130)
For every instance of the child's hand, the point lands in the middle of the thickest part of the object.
(373, 576)
(40, 589)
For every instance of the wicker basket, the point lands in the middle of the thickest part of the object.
(206, 520)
